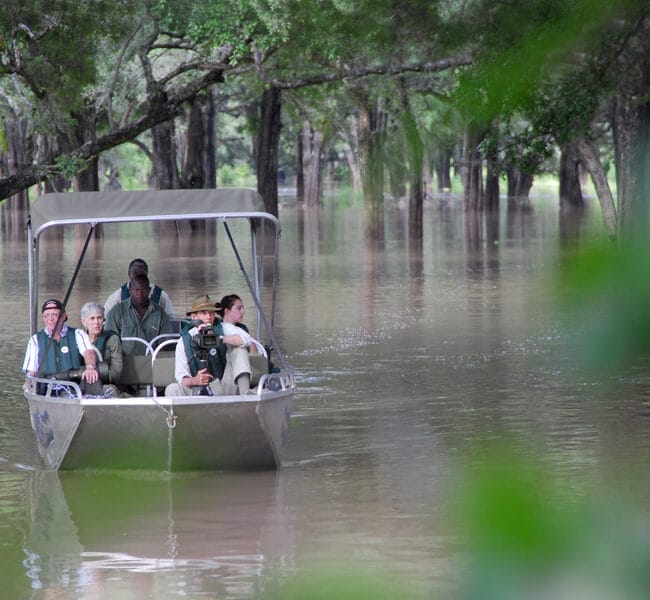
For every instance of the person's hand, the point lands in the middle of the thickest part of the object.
(90, 374)
(202, 378)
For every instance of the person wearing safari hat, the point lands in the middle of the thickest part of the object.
(58, 348)
(207, 362)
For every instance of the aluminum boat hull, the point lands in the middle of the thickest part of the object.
(163, 434)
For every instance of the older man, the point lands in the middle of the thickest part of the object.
(58, 348)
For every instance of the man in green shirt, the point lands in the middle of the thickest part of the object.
(138, 317)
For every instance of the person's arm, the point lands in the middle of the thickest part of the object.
(166, 305)
(113, 355)
(233, 335)
(89, 354)
(165, 323)
(30, 364)
(112, 300)
(113, 320)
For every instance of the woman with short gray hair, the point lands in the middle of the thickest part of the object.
(108, 343)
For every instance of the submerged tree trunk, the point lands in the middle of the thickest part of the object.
(415, 153)
(20, 153)
(519, 182)
(371, 133)
(312, 164)
(350, 146)
(442, 168)
(268, 143)
(570, 189)
(473, 173)
(492, 183)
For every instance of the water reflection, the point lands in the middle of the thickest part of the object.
(123, 534)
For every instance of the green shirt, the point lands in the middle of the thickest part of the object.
(124, 320)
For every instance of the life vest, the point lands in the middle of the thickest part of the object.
(199, 358)
(57, 356)
(154, 295)
(100, 342)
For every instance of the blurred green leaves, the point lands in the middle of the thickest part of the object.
(607, 288)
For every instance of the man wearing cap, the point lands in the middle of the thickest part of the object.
(157, 295)
(58, 348)
(138, 317)
(201, 367)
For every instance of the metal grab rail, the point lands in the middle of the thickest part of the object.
(32, 383)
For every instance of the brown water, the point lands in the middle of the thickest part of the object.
(409, 359)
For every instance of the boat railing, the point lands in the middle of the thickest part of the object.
(275, 382)
(163, 366)
(53, 387)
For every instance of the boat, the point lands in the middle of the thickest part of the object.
(151, 431)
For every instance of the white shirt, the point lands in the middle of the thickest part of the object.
(31, 354)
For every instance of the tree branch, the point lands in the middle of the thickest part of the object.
(158, 112)
(348, 73)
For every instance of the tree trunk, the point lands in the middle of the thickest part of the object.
(268, 142)
(193, 175)
(350, 146)
(300, 175)
(442, 167)
(519, 182)
(165, 169)
(631, 131)
(371, 132)
(591, 161)
(20, 153)
(570, 190)
(312, 165)
(210, 153)
(473, 175)
(492, 182)
(415, 149)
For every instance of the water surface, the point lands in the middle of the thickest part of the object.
(410, 358)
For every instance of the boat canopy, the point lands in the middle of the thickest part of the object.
(93, 208)
(143, 205)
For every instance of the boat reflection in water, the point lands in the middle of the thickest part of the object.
(131, 534)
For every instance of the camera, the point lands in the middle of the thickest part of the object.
(207, 338)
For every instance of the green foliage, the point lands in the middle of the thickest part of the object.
(528, 45)
(56, 42)
(528, 534)
(69, 165)
(238, 174)
(608, 287)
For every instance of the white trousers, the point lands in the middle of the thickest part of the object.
(237, 363)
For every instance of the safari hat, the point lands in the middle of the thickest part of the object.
(201, 302)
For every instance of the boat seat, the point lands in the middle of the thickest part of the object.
(163, 364)
(136, 370)
(163, 367)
